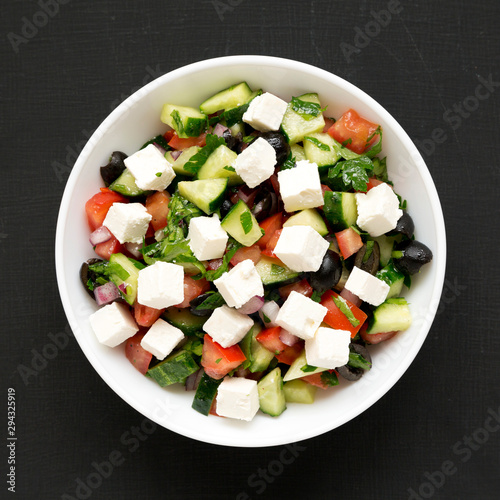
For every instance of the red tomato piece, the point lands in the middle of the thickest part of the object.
(315, 379)
(336, 319)
(356, 133)
(136, 354)
(375, 338)
(246, 253)
(177, 142)
(271, 244)
(157, 207)
(349, 242)
(290, 353)
(97, 207)
(218, 361)
(303, 287)
(193, 288)
(145, 315)
(372, 182)
(169, 134)
(270, 339)
(106, 249)
(270, 226)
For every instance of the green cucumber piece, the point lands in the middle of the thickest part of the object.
(297, 152)
(241, 224)
(315, 148)
(206, 194)
(186, 121)
(173, 369)
(258, 356)
(392, 316)
(233, 116)
(218, 166)
(273, 272)
(393, 277)
(205, 394)
(182, 159)
(308, 217)
(125, 271)
(296, 371)
(298, 391)
(184, 320)
(232, 97)
(340, 209)
(125, 184)
(271, 394)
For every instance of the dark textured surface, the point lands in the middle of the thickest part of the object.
(59, 85)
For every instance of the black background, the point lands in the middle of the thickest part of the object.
(424, 66)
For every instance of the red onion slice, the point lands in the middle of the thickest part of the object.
(268, 313)
(252, 306)
(219, 129)
(161, 149)
(175, 154)
(100, 235)
(288, 338)
(106, 293)
(192, 381)
(134, 249)
(353, 299)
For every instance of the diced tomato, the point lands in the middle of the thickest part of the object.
(303, 287)
(106, 249)
(349, 242)
(271, 244)
(145, 315)
(136, 354)
(290, 353)
(315, 379)
(169, 134)
(192, 289)
(213, 408)
(157, 207)
(328, 123)
(324, 189)
(270, 226)
(177, 142)
(375, 338)
(97, 207)
(218, 361)
(372, 182)
(336, 319)
(356, 133)
(246, 253)
(270, 339)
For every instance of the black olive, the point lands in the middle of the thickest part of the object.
(279, 143)
(114, 168)
(196, 302)
(86, 274)
(266, 204)
(368, 261)
(328, 274)
(410, 255)
(225, 207)
(350, 372)
(233, 142)
(404, 226)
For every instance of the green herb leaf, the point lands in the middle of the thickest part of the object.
(160, 140)
(329, 378)
(380, 169)
(344, 308)
(289, 163)
(316, 296)
(158, 174)
(231, 249)
(194, 345)
(266, 319)
(358, 361)
(369, 250)
(218, 360)
(353, 173)
(179, 127)
(213, 301)
(230, 168)
(246, 221)
(198, 160)
(307, 110)
(317, 143)
(377, 146)
(309, 368)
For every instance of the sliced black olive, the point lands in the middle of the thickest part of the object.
(266, 204)
(328, 274)
(86, 274)
(114, 168)
(279, 143)
(368, 257)
(409, 256)
(359, 362)
(196, 302)
(404, 226)
(225, 207)
(233, 142)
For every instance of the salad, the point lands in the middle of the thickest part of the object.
(252, 251)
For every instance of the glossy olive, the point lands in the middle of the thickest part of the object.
(369, 264)
(266, 204)
(225, 207)
(86, 274)
(404, 226)
(328, 274)
(353, 373)
(410, 255)
(233, 142)
(114, 168)
(279, 143)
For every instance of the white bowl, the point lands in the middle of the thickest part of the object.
(138, 119)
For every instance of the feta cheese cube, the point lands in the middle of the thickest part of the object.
(161, 285)
(206, 237)
(256, 163)
(127, 221)
(238, 397)
(161, 338)
(378, 210)
(240, 284)
(113, 324)
(300, 315)
(227, 326)
(301, 248)
(367, 287)
(300, 187)
(265, 112)
(152, 172)
(328, 348)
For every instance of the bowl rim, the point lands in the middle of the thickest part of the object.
(284, 63)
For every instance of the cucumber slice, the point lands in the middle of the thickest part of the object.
(393, 277)
(294, 126)
(241, 224)
(232, 97)
(271, 394)
(184, 320)
(298, 391)
(308, 217)
(391, 316)
(125, 184)
(125, 271)
(186, 121)
(274, 272)
(173, 369)
(346, 153)
(206, 194)
(182, 159)
(218, 166)
(205, 394)
(386, 244)
(255, 352)
(295, 370)
(320, 149)
(340, 209)
(298, 152)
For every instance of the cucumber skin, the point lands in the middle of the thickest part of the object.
(174, 369)
(205, 394)
(258, 356)
(188, 323)
(335, 209)
(392, 315)
(288, 276)
(232, 225)
(225, 99)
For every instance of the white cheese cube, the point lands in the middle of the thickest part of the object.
(113, 324)
(206, 237)
(300, 315)
(152, 172)
(161, 285)
(238, 397)
(128, 222)
(227, 326)
(265, 112)
(367, 287)
(378, 210)
(328, 348)
(300, 187)
(161, 339)
(240, 284)
(256, 163)
(301, 248)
